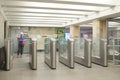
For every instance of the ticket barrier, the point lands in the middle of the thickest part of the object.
(50, 52)
(99, 55)
(83, 51)
(33, 55)
(66, 52)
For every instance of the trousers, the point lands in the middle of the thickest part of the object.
(20, 49)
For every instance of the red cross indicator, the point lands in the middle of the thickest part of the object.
(53, 42)
(71, 42)
(90, 42)
(105, 43)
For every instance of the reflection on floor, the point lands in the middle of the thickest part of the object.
(21, 71)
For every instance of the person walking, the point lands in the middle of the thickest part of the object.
(21, 43)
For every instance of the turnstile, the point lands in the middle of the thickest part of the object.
(83, 51)
(33, 55)
(50, 52)
(99, 55)
(114, 50)
(8, 52)
(66, 52)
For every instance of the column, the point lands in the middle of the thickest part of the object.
(75, 31)
(99, 32)
(99, 29)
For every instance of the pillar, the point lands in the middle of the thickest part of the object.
(75, 31)
(99, 29)
(99, 32)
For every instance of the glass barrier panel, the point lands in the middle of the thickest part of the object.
(117, 45)
(47, 48)
(114, 46)
(110, 50)
(79, 47)
(63, 48)
(27, 45)
(96, 47)
(114, 49)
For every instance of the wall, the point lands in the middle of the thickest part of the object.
(34, 32)
(1, 31)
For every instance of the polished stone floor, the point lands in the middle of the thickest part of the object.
(21, 71)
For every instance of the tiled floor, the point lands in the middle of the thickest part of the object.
(21, 71)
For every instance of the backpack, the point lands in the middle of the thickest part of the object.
(23, 42)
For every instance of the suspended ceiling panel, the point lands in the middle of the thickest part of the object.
(55, 13)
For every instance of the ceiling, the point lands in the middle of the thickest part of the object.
(57, 13)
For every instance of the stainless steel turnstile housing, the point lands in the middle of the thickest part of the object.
(87, 51)
(69, 61)
(50, 52)
(9, 56)
(102, 59)
(33, 55)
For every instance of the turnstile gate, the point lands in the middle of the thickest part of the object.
(83, 51)
(99, 55)
(50, 52)
(9, 54)
(66, 52)
(33, 55)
